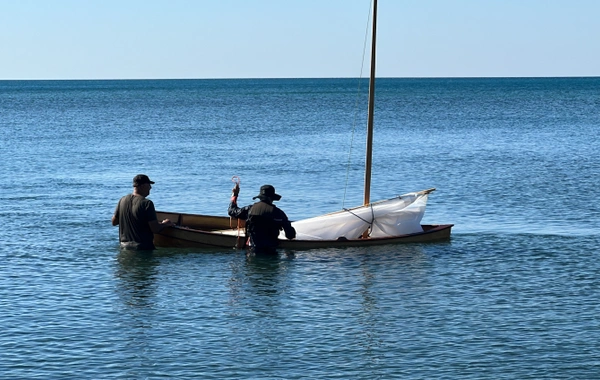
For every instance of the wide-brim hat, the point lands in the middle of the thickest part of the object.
(268, 192)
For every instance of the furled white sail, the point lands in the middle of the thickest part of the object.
(397, 216)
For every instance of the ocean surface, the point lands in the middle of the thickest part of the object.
(514, 294)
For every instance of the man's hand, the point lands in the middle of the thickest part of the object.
(156, 227)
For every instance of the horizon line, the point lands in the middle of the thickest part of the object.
(310, 78)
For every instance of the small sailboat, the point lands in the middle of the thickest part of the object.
(392, 221)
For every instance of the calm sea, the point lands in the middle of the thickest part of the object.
(515, 294)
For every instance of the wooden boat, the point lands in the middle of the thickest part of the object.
(391, 221)
(207, 231)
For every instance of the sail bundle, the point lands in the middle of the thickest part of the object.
(397, 216)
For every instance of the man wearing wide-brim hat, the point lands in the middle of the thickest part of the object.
(263, 219)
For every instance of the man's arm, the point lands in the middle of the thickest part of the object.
(238, 212)
(234, 211)
(155, 226)
(290, 232)
(115, 218)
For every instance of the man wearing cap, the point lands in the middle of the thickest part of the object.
(263, 219)
(136, 217)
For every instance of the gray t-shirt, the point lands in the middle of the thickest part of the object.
(134, 213)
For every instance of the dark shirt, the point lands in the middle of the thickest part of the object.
(134, 213)
(264, 221)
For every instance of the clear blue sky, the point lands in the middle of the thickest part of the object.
(118, 39)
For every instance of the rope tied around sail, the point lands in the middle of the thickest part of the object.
(367, 232)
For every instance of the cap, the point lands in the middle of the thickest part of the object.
(141, 179)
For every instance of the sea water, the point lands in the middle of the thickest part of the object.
(514, 294)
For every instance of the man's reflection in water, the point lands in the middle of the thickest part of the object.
(136, 272)
(136, 280)
(258, 281)
(262, 272)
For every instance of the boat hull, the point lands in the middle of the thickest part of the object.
(205, 231)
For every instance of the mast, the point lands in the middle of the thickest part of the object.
(371, 111)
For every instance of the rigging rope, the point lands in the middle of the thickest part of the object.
(356, 103)
(370, 223)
